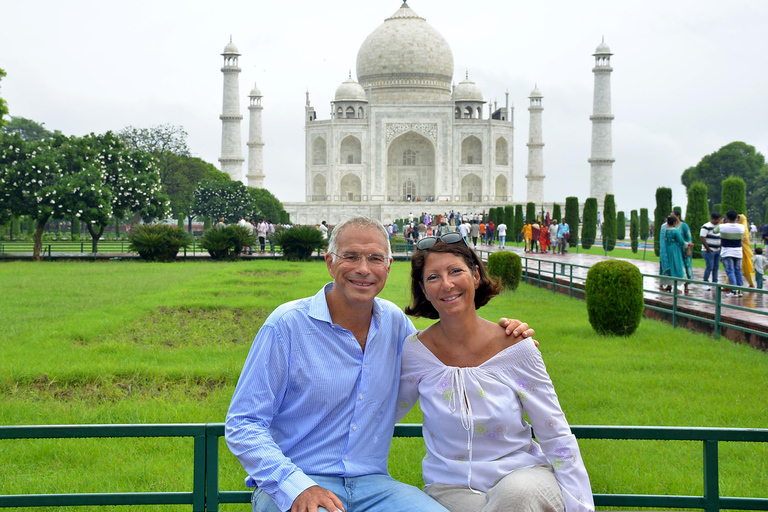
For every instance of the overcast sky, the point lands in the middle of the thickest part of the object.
(689, 76)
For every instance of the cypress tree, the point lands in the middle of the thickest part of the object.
(697, 212)
(621, 226)
(716, 208)
(589, 229)
(509, 218)
(530, 212)
(556, 212)
(660, 214)
(572, 218)
(734, 196)
(519, 222)
(634, 229)
(609, 223)
(645, 228)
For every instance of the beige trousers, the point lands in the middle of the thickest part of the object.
(524, 490)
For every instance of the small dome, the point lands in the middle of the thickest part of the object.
(350, 90)
(603, 49)
(255, 92)
(467, 91)
(231, 48)
(535, 93)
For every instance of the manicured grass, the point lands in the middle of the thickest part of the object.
(127, 342)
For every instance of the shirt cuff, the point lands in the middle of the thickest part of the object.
(290, 489)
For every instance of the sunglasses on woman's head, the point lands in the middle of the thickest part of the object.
(448, 238)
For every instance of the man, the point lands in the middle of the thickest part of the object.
(323, 227)
(710, 248)
(563, 234)
(752, 231)
(311, 419)
(464, 230)
(474, 232)
(527, 235)
(501, 231)
(731, 233)
(553, 236)
(249, 226)
(262, 228)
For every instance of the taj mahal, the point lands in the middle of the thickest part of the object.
(405, 138)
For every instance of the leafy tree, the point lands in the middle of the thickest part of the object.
(697, 213)
(609, 223)
(556, 212)
(734, 195)
(3, 103)
(572, 218)
(266, 205)
(517, 222)
(165, 142)
(645, 228)
(660, 214)
(29, 129)
(735, 159)
(214, 199)
(634, 230)
(760, 189)
(621, 226)
(182, 176)
(589, 229)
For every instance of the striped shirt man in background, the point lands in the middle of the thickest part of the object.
(710, 248)
(731, 233)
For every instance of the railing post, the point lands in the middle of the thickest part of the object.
(711, 484)
(539, 273)
(211, 471)
(570, 283)
(718, 297)
(674, 303)
(199, 472)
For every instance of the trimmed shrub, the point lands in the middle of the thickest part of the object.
(506, 265)
(645, 228)
(572, 218)
(519, 222)
(530, 212)
(227, 243)
(633, 230)
(614, 291)
(556, 212)
(697, 213)
(589, 229)
(158, 242)
(621, 226)
(660, 214)
(609, 223)
(299, 242)
(734, 196)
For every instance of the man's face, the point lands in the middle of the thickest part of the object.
(715, 222)
(362, 280)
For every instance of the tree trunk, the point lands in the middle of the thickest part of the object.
(38, 239)
(95, 236)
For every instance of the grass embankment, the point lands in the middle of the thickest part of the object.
(163, 343)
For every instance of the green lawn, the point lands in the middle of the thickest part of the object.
(127, 342)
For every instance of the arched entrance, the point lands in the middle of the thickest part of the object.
(471, 188)
(351, 189)
(411, 168)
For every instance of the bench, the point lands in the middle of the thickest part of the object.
(206, 496)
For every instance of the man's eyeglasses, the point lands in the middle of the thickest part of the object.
(353, 258)
(448, 238)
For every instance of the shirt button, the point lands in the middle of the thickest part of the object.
(361, 397)
(354, 428)
(346, 458)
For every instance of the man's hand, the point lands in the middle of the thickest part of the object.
(517, 329)
(314, 497)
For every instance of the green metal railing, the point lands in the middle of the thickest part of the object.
(107, 246)
(546, 273)
(206, 494)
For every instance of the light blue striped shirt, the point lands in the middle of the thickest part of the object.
(310, 402)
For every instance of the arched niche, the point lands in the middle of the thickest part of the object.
(319, 151)
(471, 188)
(351, 188)
(319, 192)
(471, 151)
(501, 188)
(502, 151)
(350, 150)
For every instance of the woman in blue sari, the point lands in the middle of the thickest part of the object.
(673, 247)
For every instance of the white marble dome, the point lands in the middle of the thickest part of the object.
(406, 53)
(467, 91)
(536, 93)
(349, 90)
(255, 92)
(231, 48)
(603, 49)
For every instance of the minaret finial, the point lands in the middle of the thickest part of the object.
(466, 75)
(230, 38)
(350, 72)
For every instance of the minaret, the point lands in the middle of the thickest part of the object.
(601, 161)
(255, 144)
(535, 145)
(231, 145)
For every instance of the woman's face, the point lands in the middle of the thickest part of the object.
(449, 284)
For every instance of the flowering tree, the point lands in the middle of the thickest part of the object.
(228, 199)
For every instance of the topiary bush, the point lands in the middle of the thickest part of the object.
(589, 227)
(227, 243)
(506, 266)
(158, 242)
(614, 291)
(299, 242)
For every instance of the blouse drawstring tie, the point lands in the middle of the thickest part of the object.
(467, 420)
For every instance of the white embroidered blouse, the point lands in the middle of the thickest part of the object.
(474, 428)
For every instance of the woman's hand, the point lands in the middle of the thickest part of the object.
(517, 329)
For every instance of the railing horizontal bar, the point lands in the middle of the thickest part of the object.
(646, 500)
(670, 433)
(744, 503)
(235, 496)
(73, 500)
(75, 431)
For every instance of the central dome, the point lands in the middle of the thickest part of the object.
(405, 59)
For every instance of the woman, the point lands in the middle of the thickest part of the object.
(747, 269)
(474, 384)
(674, 247)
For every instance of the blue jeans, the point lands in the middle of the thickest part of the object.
(502, 240)
(368, 493)
(732, 268)
(759, 280)
(712, 259)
